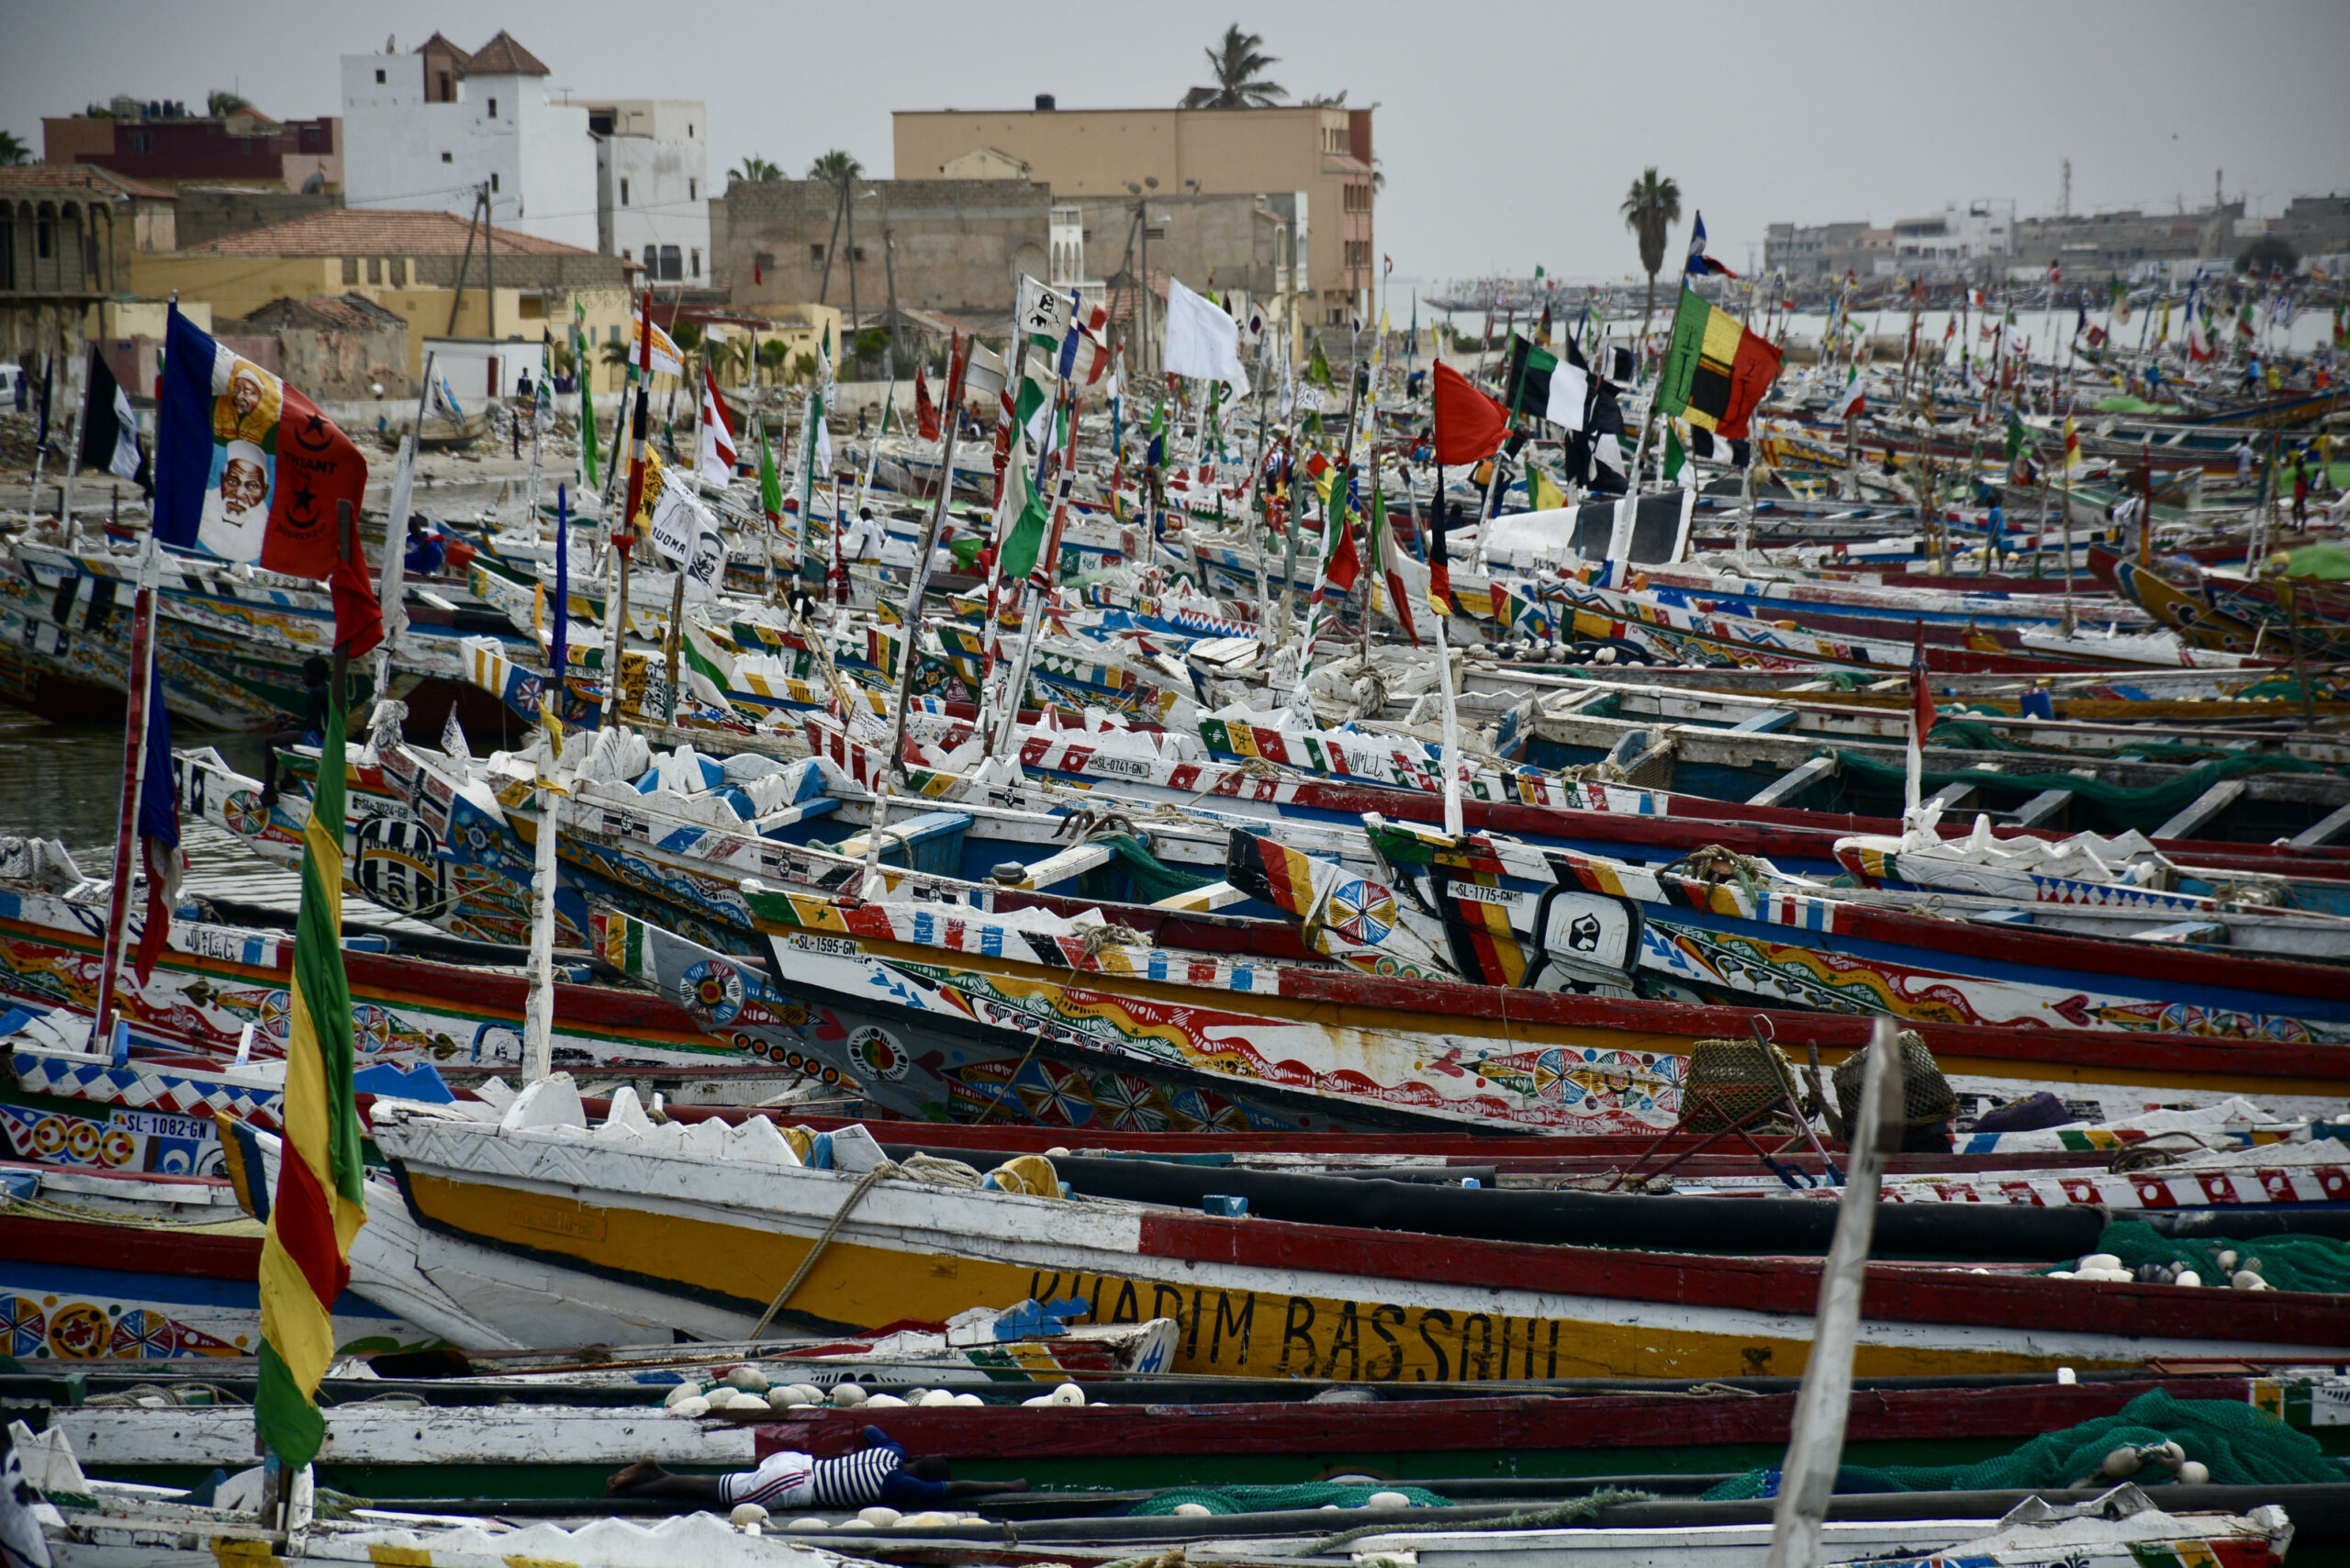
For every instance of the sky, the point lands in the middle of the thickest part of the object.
(1507, 129)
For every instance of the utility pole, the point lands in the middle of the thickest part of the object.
(848, 201)
(490, 258)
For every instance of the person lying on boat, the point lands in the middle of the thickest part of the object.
(879, 1472)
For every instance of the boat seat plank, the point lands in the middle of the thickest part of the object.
(1764, 722)
(2324, 830)
(1794, 781)
(2201, 809)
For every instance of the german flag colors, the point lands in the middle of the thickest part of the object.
(322, 1201)
(1279, 875)
(1715, 372)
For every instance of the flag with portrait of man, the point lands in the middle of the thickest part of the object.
(248, 469)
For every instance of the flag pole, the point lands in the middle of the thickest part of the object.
(74, 450)
(910, 644)
(134, 773)
(623, 531)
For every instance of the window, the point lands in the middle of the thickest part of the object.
(1358, 197)
(762, 262)
(493, 108)
(447, 94)
(815, 255)
(45, 236)
(693, 192)
(142, 142)
(374, 270)
(670, 271)
(623, 193)
(613, 333)
(697, 272)
(493, 182)
(446, 158)
(857, 252)
(653, 260)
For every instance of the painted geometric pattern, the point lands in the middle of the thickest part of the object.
(143, 1089)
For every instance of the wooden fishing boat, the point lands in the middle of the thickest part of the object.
(709, 1233)
(1713, 930)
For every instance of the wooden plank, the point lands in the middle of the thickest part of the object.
(1794, 781)
(1061, 868)
(1764, 722)
(2327, 828)
(1951, 794)
(496, 1434)
(1201, 901)
(2201, 809)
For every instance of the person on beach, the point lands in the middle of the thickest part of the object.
(879, 1472)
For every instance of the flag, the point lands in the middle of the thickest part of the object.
(250, 470)
(2072, 444)
(2015, 440)
(110, 429)
(1202, 340)
(2198, 342)
(714, 459)
(1440, 561)
(1715, 372)
(444, 400)
(1699, 264)
(1025, 518)
(685, 531)
(321, 1197)
(925, 411)
(1540, 382)
(159, 827)
(1542, 492)
(1853, 402)
(589, 463)
(665, 357)
(1921, 716)
(1675, 456)
(1344, 564)
(770, 481)
(1470, 426)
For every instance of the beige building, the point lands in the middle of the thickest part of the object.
(951, 246)
(1317, 159)
(411, 264)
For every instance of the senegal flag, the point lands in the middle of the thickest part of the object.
(322, 1198)
(1715, 372)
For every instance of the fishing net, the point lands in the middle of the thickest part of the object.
(1927, 1097)
(1151, 878)
(2145, 807)
(2240, 1445)
(1276, 1499)
(1972, 734)
(1731, 1078)
(2290, 1263)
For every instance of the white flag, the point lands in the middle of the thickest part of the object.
(1044, 310)
(1202, 340)
(1569, 391)
(685, 531)
(715, 458)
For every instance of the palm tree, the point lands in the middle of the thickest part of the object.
(1651, 210)
(755, 170)
(1236, 64)
(220, 103)
(839, 170)
(12, 151)
(774, 354)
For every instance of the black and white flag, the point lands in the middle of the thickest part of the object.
(110, 428)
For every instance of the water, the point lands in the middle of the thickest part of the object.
(64, 781)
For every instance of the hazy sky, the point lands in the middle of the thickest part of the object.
(1507, 131)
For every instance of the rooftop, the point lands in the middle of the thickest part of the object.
(503, 56)
(78, 177)
(369, 232)
(347, 310)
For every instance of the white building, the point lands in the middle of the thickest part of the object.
(652, 185)
(429, 129)
(1956, 236)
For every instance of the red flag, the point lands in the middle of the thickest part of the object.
(1469, 425)
(1346, 561)
(1921, 697)
(925, 411)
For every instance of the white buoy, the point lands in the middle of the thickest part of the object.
(2066, 1375)
(812, 1522)
(2194, 1473)
(847, 1396)
(696, 1405)
(968, 1399)
(2245, 1280)
(747, 1514)
(2188, 1278)
(937, 1396)
(1067, 1393)
(2099, 1261)
(1387, 1500)
(878, 1517)
(682, 1393)
(885, 1402)
(1191, 1510)
(750, 1378)
(2120, 1462)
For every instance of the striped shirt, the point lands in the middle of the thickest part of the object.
(856, 1480)
(781, 1481)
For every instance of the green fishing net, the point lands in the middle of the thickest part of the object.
(2242, 1446)
(1278, 1499)
(2286, 1262)
(2145, 807)
(1151, 878)
(1972, 734)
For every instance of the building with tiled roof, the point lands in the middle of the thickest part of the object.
(371, 231)
(503, 56)
(161, 142)
(68, 234)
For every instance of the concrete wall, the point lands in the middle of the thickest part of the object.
(1097, 152)
(960, 244)
(402, 151)
(345, 363)
(208, 213)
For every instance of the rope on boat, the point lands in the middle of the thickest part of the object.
(1572, 1511)
(918, 1167)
